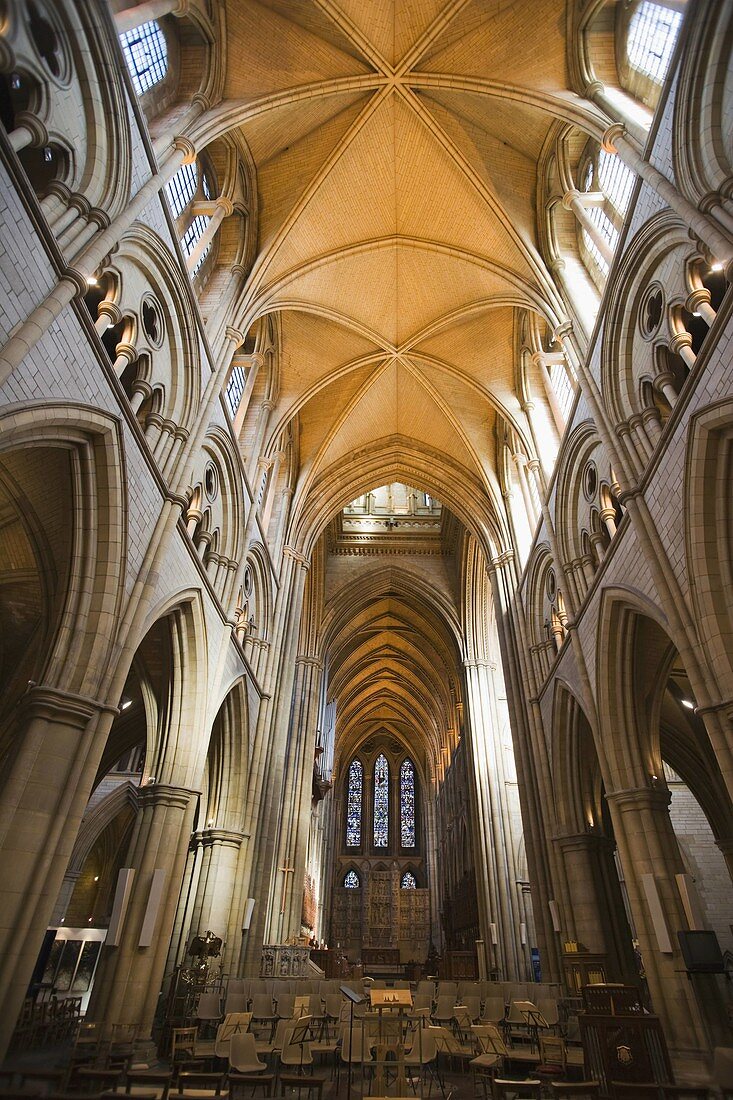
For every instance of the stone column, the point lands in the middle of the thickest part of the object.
(216, 211)
(495, 867)
(650, 858)
(297, 796)
(217, 877)
(615, 140)
(596, 915)
(60, 740)
(129, 977)
(133, 17)
(577, 202)
(264, 795)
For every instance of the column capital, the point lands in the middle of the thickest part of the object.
(78, 279)
(225, 837)
(34, 126)
(109, 309)
(184, 145)
(562, 331)
(571, 196)
(162, 794)
(582, 841)
(641, 798)
(478, 662)
(309, 661)
(223, 202)
(297, 556)
(679, 341)
(610, 136)
(55, 705)
(234, 335)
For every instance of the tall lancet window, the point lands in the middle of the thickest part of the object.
(381, 802)
(353, 806)
(407, 804)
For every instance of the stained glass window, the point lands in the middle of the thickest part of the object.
(653, 32)
(353, 807)
(352, 880)
(146, 55)
(407, 804)
(381, 802)
(409, 882)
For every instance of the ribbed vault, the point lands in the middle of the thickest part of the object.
(393, 666)
(396, 150)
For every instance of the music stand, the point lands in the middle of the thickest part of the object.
(354, 999)
(299, 1036)
(534, 1020)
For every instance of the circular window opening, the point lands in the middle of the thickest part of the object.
(551, 584)
(48, 43)
(152, 321)
(590, 481)
(211, 481)
(651, 311)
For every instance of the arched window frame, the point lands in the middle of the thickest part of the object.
(407, 793)
(146, 53)
(351, 880)
(651, 36)
(191, 183)
(604, 173)
(380, 804)
(408, 880)
(354, 804)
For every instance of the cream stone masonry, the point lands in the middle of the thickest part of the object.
(366, 411)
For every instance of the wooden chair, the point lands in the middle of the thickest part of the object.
(183, 1043)
(569, 1090)
(503, 1088)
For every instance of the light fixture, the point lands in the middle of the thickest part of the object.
(717, 266)
(96, 878)
(688, 704)
(125, 704)
(92, 280)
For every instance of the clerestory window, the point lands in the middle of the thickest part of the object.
(651, 38)
(605, 173)
(146, 55)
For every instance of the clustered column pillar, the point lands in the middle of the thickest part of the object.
(129, 977)
(650, 859)
(61, 738)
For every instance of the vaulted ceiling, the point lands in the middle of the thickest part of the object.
(396, 145)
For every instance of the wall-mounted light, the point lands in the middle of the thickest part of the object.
(687, 703)
(92, 280)
(125, 704)
(96, 878)
(716, 266)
